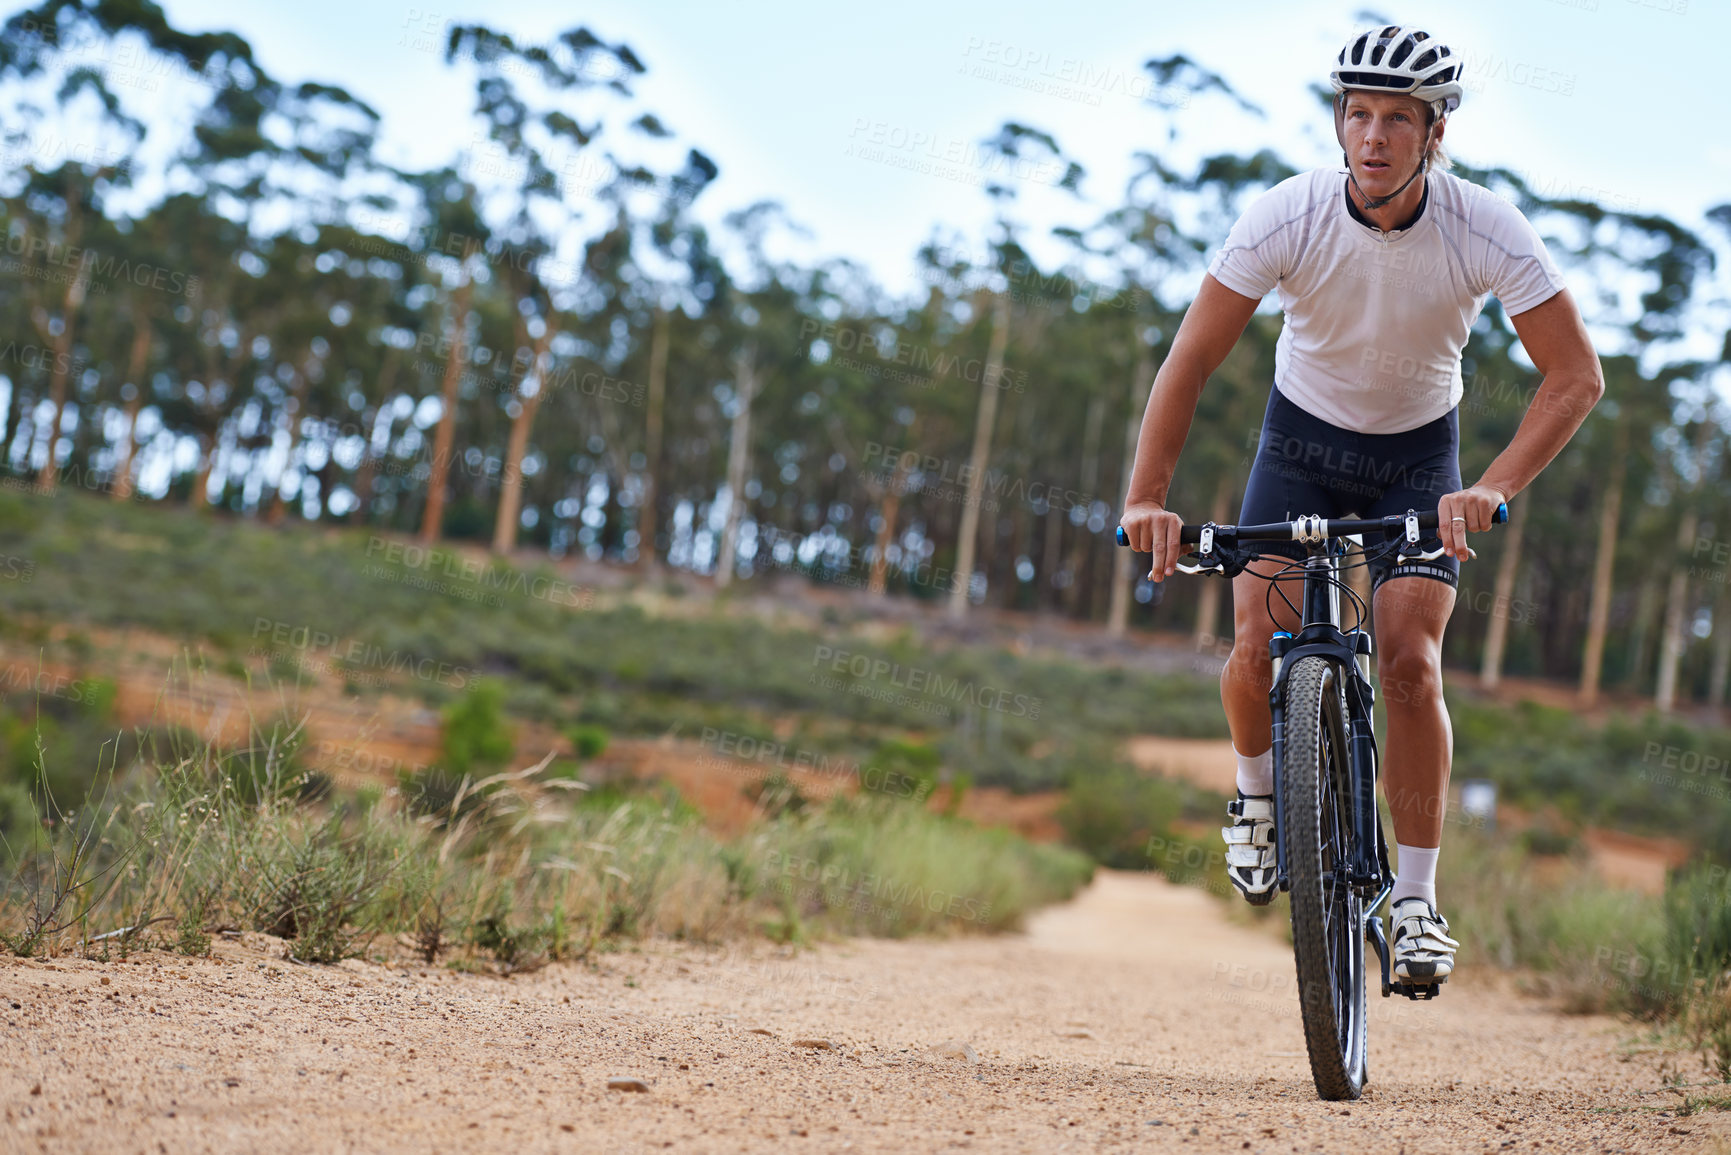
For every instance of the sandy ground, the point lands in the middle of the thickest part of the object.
(1136, 1018)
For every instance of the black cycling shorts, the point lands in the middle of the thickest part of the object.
(1306, 466)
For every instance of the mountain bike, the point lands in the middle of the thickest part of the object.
(1330, 851)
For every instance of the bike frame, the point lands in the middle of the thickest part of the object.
(1320, 634)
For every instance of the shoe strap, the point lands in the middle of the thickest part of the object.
(1426, 929)
(1254, 808)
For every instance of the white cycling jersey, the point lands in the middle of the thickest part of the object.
(1375, 322)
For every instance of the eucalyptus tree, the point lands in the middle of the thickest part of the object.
(254, 140)
(761, 318)
(1013, 145)
(451, 237)
(675, 272)
(651, 257)
(1143, 245)
(537, 132)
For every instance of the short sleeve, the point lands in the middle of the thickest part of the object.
(1262, 246)
(1518, 269)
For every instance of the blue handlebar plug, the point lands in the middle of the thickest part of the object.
(1123, 538)
(1499, 517)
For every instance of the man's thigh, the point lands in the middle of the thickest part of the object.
(1411, 614)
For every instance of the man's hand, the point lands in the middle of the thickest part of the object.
(1467, 511)
(1153, 529)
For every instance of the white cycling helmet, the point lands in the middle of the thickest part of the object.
(1400, 60)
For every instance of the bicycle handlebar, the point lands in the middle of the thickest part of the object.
(1313, 528)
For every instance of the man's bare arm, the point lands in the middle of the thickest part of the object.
(1556, 339)
(1211, 326)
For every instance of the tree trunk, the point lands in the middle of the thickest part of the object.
(199, 497)
(511, 477)
(368, 471)
(1599, 611)
(121, 485)
(74, 299)
(1208, 596)
(1090, 479)
(298, 397)
(1673, 641)
(433, 516)
(878, 584)
(1497, 630)
(1646, 605)
(1124, 562)
(15, 422)
(1721, 649)
(1051, 555)
(738, 461)
(990, 387)
(45, 477)
(647, 522)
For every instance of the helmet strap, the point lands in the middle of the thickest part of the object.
(1377, 203)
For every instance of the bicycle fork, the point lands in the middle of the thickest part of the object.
(1368, 872)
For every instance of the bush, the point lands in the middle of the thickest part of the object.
(477, 736)
(899, 769)
(875, 866)
(20, 825)
(587, 741)
(1111, 813)
(1697, 936)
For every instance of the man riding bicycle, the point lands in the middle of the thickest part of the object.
(1381, 272)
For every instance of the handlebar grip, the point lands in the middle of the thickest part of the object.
(1187, 535)
(1499, 517)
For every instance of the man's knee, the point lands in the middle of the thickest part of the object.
(1249, 663)
(1410, 669)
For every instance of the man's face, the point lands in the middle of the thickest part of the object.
(1385, 139)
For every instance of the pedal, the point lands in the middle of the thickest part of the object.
(1415, 991)
(1378, 943)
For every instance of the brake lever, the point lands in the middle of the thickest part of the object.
(1411, 538)
(1214, 567)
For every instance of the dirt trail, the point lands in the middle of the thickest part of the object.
(1137, 1017)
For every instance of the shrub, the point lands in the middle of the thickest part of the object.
(901, 769)
(587, 741)
(1111, 813)
(477, 737)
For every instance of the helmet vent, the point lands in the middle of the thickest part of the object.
(1400, 59)
(1375, 80)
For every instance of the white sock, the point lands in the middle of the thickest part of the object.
(1256, 773)
(1415, 874)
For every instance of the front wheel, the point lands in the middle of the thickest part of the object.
(1327, 913)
